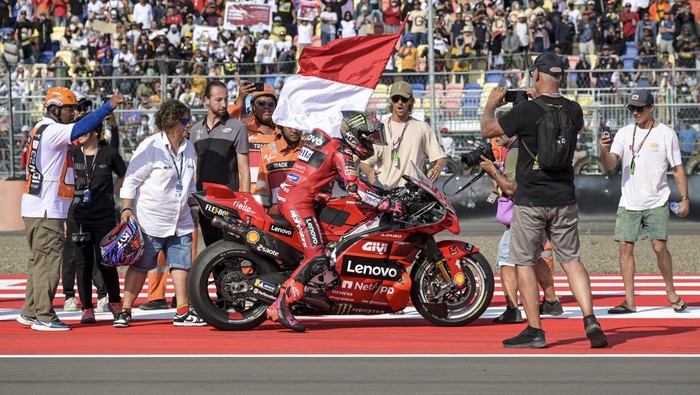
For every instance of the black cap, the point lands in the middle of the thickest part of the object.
(641, 98)
(550, 63)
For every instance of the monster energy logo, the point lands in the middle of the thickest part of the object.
(344, 309)
(356, 121)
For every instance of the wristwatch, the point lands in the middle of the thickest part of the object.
(684, 197)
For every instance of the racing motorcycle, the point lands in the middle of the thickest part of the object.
(234, 280)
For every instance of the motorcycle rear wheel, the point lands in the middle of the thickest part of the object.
(221, 261)
(465, 306)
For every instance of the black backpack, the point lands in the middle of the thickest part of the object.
(556, 140)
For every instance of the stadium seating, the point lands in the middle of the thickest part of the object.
(492, 77)
(472, 97)
(453, 97)
(45, 57)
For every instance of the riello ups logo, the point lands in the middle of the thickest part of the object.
(371, 268)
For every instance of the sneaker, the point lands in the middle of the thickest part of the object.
(50, 326)
(88, 316)
(70, 305)
(115, 308)
(279, 312)
(24, 320)
(594, 332)
(528, 338)
(102, 305)
(510, 316)
(551, 308)
(123, 319)
(158, 304)
(190, 318)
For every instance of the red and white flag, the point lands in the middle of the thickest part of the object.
(339, 76)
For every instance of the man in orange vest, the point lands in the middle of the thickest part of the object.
(48, 194)
(261, 129)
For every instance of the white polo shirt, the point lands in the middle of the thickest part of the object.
(52, 155)
(648, 187)
(151, 180)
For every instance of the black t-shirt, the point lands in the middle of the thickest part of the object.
(101, 204)
(217, 149)
(540, 188)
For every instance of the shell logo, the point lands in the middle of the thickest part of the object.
(252, 237)
(460, 278)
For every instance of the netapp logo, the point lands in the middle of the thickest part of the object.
(347, 284)
(373, 246)
(280, 231)
(371, 268)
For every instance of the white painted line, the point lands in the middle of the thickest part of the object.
(336, 356)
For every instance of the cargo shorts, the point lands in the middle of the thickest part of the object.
(653, 224)
(531, 226)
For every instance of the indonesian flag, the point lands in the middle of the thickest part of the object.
(339, 76)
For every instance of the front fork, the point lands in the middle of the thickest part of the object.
(446, 255)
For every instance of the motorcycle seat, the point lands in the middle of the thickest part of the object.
(281, 221)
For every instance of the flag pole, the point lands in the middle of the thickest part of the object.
(431, 69)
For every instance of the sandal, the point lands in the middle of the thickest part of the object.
(679, 305)
(621, 309)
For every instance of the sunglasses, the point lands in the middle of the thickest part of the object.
(636, 108)
(402, 99)
(185, 121)
(266, 103)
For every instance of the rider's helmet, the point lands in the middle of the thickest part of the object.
(84, 102)
(123, 246)
(59, 97)
(360, 130)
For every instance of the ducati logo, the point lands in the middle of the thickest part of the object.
(374, 246)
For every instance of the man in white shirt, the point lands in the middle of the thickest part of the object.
(646, 149)
(447, 142)
(143, 14)
(267, 53)
(48, 194)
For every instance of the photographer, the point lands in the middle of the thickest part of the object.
(504, 178)
(546, 202)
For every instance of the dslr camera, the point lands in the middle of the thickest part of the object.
(471, 159)
(80, 237)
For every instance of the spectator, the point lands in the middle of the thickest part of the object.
(539, 33)
(648, 42)
(347, 26)
(410, 142)
(47, 198)
(658, 8)
(545, 202)
(587, 29)
(288, 61)
(667, 30)
(689, 138)
(45, 28)
(447, 142)
(630, 20)
(306, 33)
(329, 20)
(392, 17)
(646, 23)
(419, 23)
(24, 30)
(94, 216)
(643, 208)
(363, 23)
(409, 57)
(267, 53)
(522, 30)
(143, 14)
(564, 32)
(685, 18)
(685, 45)
(5, 8)
(162, 201)
(221, 142)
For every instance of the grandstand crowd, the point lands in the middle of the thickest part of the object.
(608, 44)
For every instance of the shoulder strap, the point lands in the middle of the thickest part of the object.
(34, 177)
(541, 103)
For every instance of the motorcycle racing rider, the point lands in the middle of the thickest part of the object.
(322, 160)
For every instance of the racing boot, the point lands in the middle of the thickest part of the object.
(280, 312)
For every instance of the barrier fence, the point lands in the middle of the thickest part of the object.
(459, 101)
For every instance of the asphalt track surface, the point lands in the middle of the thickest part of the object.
(654, 351)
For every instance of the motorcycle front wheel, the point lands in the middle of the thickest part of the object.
(463, 306)
(214, 286)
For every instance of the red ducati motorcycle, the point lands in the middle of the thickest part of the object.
(234, 280)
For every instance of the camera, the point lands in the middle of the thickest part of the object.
(471, 159)
(80, 237)
(259, 86)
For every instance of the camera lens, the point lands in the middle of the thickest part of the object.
(471, 159)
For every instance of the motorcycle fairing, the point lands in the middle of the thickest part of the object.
(453, 251)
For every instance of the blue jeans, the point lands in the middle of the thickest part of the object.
(178, 252)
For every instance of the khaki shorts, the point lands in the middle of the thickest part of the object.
(653, 223)
(531, 226)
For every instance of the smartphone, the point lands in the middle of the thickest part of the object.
(259, 86)
(515, 96)
(606, 134)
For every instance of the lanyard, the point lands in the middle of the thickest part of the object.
(634, 134)
(178, 170)
(92, 170)
(395, 146)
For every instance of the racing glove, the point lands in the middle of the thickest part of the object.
(396, 208)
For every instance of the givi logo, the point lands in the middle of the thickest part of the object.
(375, 246)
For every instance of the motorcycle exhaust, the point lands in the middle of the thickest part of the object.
(225, 225)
